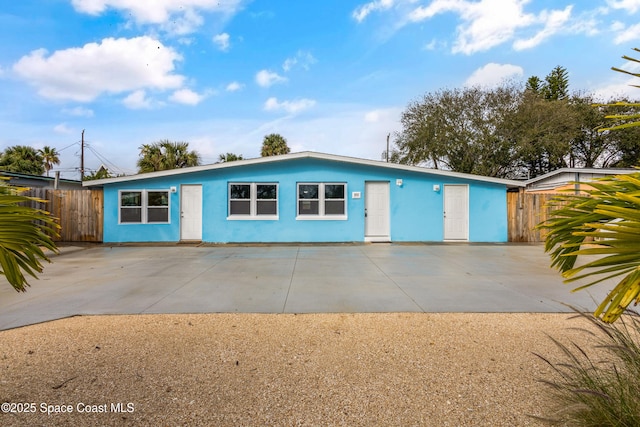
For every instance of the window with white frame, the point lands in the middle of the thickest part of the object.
(144, 206)
(253, 200)
(322, 200)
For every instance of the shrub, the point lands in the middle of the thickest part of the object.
(600, 385)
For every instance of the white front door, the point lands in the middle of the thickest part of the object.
(191, 212)
(376, 212)
(456, 212)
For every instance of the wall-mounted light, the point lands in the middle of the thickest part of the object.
(436, 187)
(399, 182)
(173, 189)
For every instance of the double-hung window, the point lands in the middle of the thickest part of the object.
(253, 200)
(144, 206)
(322, 200)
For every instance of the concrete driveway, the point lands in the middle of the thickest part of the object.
(292, 279)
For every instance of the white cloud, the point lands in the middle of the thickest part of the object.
(302, 59)
(112, 66)
(186, 41)
(186, 96)
(631, 6)
(616, 90)
(266, 78)
(620, 85)
(617, 26)
(222, 41)
(431, 45)
(554, 22)
(493, 74)
(137, 100)
(381, 115)
(291, 107)
(62, 128)
(179, 17)
(78, 112)
(234, 86)
(626, 34)
(361, 12)
(182, 25)
(488, 23)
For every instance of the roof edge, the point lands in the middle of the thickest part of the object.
(609, 171)
(304, 154)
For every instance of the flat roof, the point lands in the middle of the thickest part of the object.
(37, 177)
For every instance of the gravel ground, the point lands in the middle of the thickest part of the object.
(281, 369)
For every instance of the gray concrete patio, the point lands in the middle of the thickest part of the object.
(292, 279)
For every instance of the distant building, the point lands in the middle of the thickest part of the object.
(576, 179)
(38, 181)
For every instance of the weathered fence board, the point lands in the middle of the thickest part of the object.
(79, 212)
(524, 212)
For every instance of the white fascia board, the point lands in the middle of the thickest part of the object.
(604, 171)
(310, 155)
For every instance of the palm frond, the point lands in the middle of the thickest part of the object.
(604, 224)
(24, 233)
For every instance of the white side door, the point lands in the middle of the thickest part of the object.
(191, 212)
(456, 212)
(376, 221)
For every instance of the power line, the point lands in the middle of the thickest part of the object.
(70, 145)
(104, 160)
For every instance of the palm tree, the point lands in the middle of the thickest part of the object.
(604, 225)
(50, 157)
(165, 155)
(630, 117)
(22, 159)
(177, 155)
(274, 145)
(229, 157)
(24, 232)
(150, 158)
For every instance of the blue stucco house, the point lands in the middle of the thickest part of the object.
(305, 197)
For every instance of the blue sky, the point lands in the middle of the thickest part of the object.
(330, 76)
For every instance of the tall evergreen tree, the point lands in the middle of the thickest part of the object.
(534, 85)
(556, 87)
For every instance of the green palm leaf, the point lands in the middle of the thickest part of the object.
(24, 233)
(604, 225)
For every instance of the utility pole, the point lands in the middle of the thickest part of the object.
(388, 135)
(82, 157)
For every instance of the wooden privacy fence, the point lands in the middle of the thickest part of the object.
(79, 212)
(524, 212)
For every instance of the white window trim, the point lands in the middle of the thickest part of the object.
(144, 206)
(253, 199)
(321, 203)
